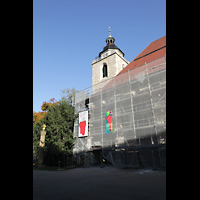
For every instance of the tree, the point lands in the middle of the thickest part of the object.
(59, 137)
(46, 105)
(37, 116)
(69, 95)
(59, 119)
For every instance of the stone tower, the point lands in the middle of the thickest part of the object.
(108, 64)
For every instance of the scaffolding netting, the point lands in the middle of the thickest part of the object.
(137, 99)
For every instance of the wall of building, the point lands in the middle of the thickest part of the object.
(114, 60)
(137, 100)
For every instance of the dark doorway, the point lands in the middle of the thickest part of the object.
(97, 153)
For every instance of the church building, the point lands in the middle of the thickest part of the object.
(122, 116)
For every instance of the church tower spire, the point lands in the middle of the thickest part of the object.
(110, 39)
(108, 64)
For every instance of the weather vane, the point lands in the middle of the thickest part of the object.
(109, 32)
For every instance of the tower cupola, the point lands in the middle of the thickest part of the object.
(110, 39)
(110, 44)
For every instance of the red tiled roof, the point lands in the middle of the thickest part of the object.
(154, 51)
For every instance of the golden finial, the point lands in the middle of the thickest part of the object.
(44, 126)
(109, 32)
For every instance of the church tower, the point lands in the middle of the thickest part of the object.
(108, 64)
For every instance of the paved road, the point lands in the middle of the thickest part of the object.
(97, 183)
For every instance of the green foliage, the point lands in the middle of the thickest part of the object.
(37, 127)
(60, 123)
(59, 120)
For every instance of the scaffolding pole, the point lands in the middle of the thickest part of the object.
(152, 107)
(132, 105)
(115, 107)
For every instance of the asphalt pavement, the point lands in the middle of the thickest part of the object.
(95, 183)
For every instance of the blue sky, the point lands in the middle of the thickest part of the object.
(68, 35)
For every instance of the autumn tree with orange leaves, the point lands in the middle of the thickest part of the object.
(59, 117)
(37, 116)
(46, 105)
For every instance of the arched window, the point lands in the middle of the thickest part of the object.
(105, 71)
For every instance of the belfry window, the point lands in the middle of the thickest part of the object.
(105, 71)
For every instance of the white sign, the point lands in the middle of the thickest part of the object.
(83, 124)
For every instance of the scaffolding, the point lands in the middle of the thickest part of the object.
(137, 99)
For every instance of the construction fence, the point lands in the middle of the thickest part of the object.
(137, 101)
